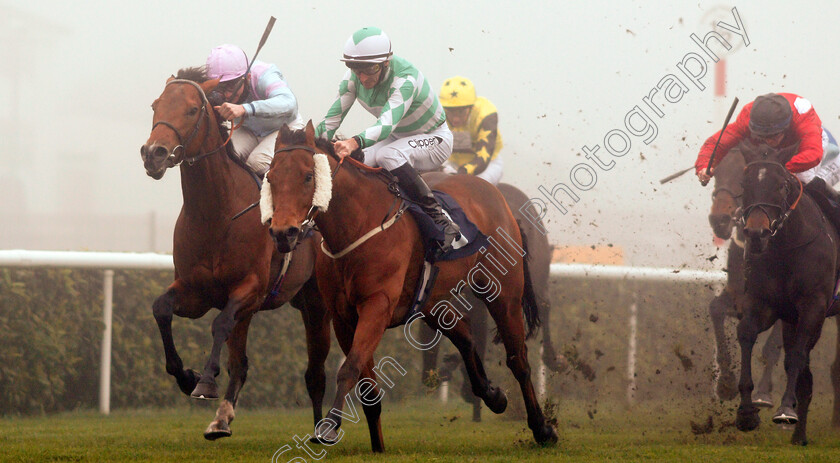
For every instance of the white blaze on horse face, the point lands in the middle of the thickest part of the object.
(266, 202)
(762, 173)
(323, 182)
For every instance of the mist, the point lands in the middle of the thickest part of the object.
(78, 80)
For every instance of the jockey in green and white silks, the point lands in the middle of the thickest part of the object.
(410, 132)
(406, 109)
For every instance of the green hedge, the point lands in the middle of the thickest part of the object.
(51, 323)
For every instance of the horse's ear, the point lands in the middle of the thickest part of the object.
(785, 154)
(749, 150)
(209, 85)
(310, 133)
(284, 134)
(171, 78)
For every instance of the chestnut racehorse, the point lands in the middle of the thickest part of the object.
(370, 287)
(219, 262)
(540, 251)
(792, 262)
(726, 205)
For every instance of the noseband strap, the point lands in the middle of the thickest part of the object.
(784, 209)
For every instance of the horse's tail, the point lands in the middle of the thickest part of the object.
(529, 299)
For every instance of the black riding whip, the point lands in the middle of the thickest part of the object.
(725, 123)
(264, 38)
(673, 176)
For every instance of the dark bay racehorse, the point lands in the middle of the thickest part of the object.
(219, 262)
(791, 271)
(726, 205)
(540, 251)
(371, 287)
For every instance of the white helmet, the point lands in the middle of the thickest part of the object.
(367, 46)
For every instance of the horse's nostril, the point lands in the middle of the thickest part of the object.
(143, 151)
(160, 152)
(292, 232)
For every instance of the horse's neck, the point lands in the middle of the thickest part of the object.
(802, 224)
(359, 203)
(209, 185)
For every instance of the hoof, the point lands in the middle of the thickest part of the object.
(763, 401)
(188, 380)
(205, 391)
(216, 430)
(496, 400)
(797, 441)
(330, 438)
(747, 418)
(545, 435)
(785, 415)
(727, 389)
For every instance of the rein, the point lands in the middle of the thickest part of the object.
(784, 211)
(201, 118)
(309, 222)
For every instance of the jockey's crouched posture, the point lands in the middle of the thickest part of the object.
(260, 99)
(782, 120)
(410, 132)
(474, 122)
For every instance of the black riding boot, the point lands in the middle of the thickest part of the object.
(418, 191)
(827, 198)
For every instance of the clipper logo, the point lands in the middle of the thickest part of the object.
(425, 142)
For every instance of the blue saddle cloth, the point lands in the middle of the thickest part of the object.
(431, 234)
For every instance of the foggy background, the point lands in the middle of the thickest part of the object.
(78, 79)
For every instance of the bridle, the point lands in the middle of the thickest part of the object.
(784, 209)
(202, 117)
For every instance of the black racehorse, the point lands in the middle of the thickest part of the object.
(726, 204)
(791, 268)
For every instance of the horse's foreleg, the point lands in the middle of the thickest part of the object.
(726, 384)
(461, 337)
(798, 341)
(238, 372)
(430, 357)
(835, 377)
(804, 393)
(243, 296)
(162, 308)
(747, 417)
(316, 321)
(478, 326)
(771, 352)
(374, 316)
(372, 405)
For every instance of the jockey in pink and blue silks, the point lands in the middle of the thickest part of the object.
(261, 100)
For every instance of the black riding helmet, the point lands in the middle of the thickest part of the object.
(770, 115)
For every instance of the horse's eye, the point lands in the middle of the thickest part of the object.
(308, 177)
(193, 111)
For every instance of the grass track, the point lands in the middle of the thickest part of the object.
(421, 430)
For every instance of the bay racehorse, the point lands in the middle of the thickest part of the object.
(540, 251)
(370, 286)
(726, 206)
(791, 268)
(220, 262)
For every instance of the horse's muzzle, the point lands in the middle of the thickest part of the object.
(285, 240)
(155, 159)
(721, 225)
(757, 239)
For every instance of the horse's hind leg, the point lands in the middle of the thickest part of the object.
(771, 352)
(371, 398)
(507, 313)
(162, 308)
(835, 378)
(430, 357)
(238, 372)
(727, 387)
(478, 327)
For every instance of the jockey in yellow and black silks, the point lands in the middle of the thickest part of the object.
(474, 123)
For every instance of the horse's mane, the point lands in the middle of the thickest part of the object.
(198, 74)
(298, 137)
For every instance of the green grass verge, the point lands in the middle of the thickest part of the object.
(418, 430)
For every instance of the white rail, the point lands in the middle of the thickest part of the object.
(109, 261)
